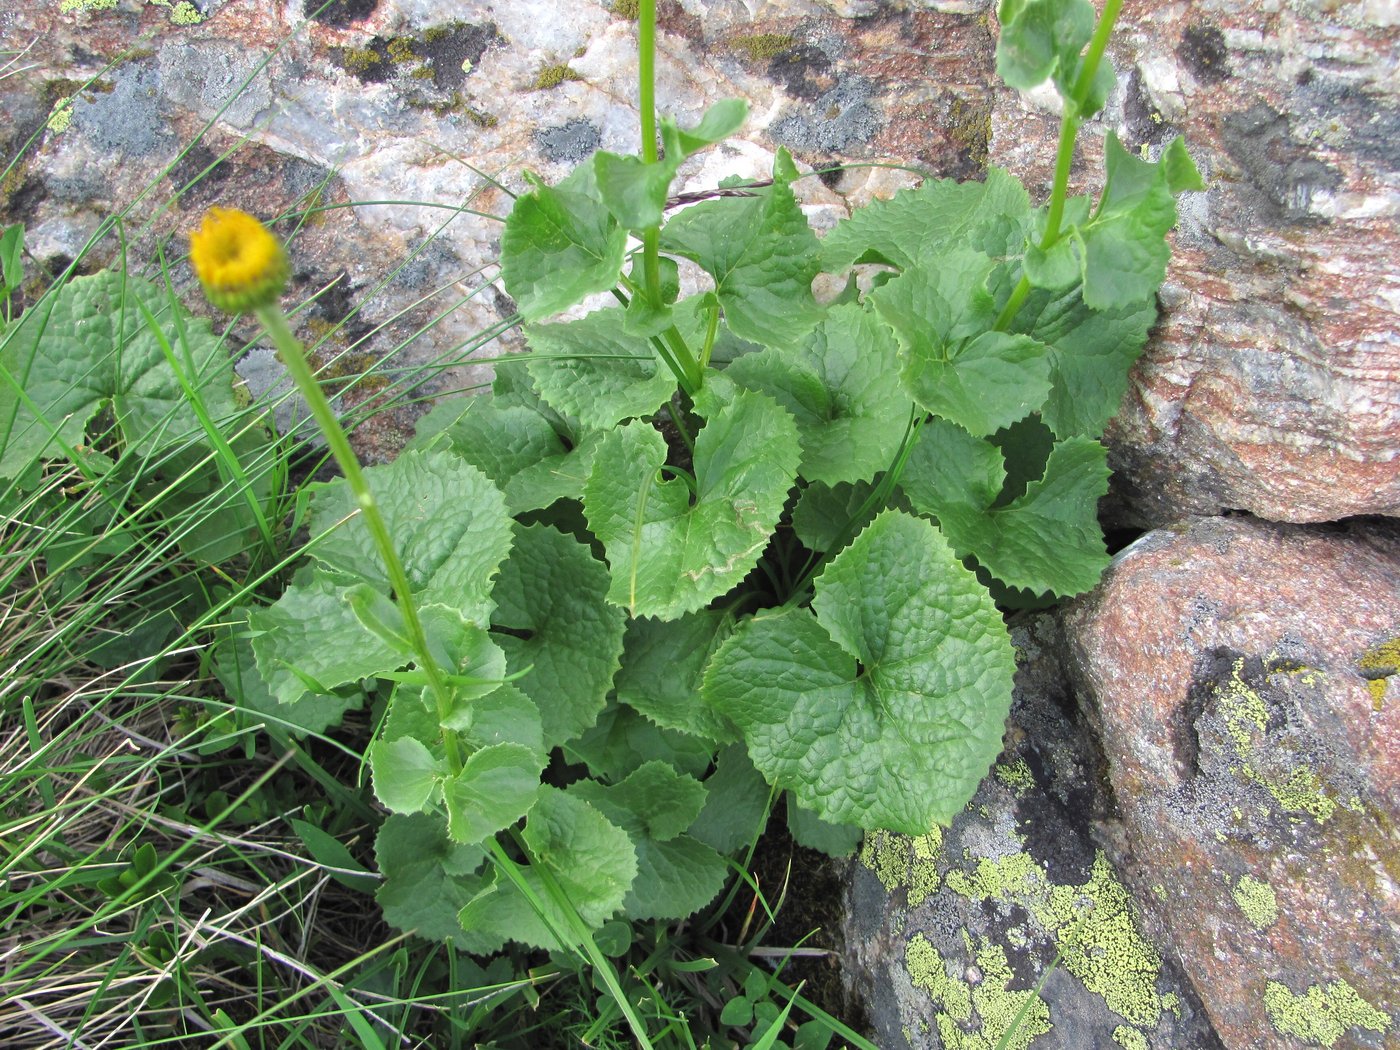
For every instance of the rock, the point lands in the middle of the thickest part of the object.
(949, 936)
(1244, 679)
(1272, 383)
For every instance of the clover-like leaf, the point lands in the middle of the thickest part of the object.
(676, 874)
(953, 364)
(309, 640)
(496, 787)
(883, 705)
(842, 388)
(560, 245)
(447, 520)
(670, 556)
(1090, 353)
(1047, 539)
(593, 370)
(515, 445)
(762, 255)
(553, 617)
(406, 773)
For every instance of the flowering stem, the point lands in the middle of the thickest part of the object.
(1070, 122)
(294, 359)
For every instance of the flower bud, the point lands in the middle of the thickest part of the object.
(241, 265)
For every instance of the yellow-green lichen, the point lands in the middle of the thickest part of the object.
(977, 1015)
(553, 76)
(1129, 1038)
(1017, 776)
(1092, 925)
(1321, 1015)
(185, 14)
(60, 116)
(1302, 790)
(66, 6)
(1256, 899)
(1378, 666)
(629, 9)
(360, 59)
(759, 46)
(898, 861)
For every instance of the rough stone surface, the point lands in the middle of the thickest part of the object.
(949, 935)
(1243, 677)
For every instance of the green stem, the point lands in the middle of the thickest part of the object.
(651, 237)
(1064, 155)
(294, 360)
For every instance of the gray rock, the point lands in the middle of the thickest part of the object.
(1014, 917)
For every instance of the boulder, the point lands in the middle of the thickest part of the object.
(1243, 678)
(1013, 919)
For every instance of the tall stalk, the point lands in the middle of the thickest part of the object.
(686, 367)
(1071, 121)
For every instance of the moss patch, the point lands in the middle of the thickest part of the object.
(760, 46)
(552, 76)
(1321, 1015)
(629, 9)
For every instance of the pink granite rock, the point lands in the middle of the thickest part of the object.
(1272, 383)
(1243, 676)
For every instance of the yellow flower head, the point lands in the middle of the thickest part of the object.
(241, 265)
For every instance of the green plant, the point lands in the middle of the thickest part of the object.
(694, 552)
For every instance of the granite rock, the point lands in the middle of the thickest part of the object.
(1272, 383)
(1243, 678)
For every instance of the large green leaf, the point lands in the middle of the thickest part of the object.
(588, 857)
(842, 387)
(560, 245)
(496, 787)
(309, 640)
(884, 707)
(448, 522)
(1090, 353)
(428, 878)
(592, 370)
(763, 257)
(622, 741)
(953, 364)
(551, 602)
(676, 875)
(237, 670)
(514, 445)
(1125, 248)
(736, 806)
(670, 556)
(1047, 539)
(635, 190)
(662, 661)
(88, 345)
(920, 226)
